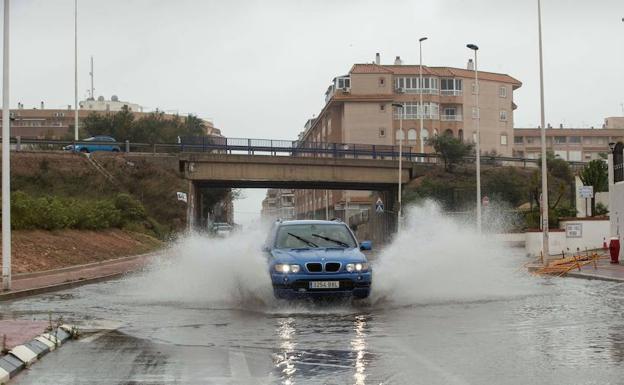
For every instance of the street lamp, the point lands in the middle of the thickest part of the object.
(398, 105)
(6, 158)
(475, 48)
(422, 149)
(76, 70)
(544, 202)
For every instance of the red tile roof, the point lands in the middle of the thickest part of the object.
(435, 71)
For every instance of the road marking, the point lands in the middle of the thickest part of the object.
(95, 336)
(238, 364)
(449, 378)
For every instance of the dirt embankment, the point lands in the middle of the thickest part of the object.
(38, 250)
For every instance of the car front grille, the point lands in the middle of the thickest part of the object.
(332, 267)
(314, 267)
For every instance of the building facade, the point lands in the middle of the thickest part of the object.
(359, 109)
(42, 123)
(572, 144)
(278, 203)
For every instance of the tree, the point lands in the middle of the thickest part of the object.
(451, 150)
(596, 174)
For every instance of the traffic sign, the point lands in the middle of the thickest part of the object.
(586, 192)
(379, 206)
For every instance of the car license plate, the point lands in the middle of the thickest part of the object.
(324, 284)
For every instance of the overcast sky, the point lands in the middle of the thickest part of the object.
(260, 68)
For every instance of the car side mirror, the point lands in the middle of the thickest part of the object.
(366, 245)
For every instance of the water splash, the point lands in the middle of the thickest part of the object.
(439, 259)
(214, 272)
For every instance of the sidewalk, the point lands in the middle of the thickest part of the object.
(45, 281)
(18, 332)
(605, 271)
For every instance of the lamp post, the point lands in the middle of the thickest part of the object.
(475, 48)
(544, 202)
(400, 180)
(422, 146)
(76, 70)
(6, 158)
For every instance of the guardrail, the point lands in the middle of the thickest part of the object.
(271, 147)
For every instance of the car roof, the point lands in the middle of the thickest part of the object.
(310, 222)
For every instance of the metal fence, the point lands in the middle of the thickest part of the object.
(273, 147)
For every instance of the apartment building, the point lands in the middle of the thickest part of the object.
(358, 109)
(45, 123)
(572, 144)
(278, 203)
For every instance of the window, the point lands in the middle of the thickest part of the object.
(502, 92)
(560, 139)
(460, 134)
(451, 86)
(382, 82)
(343, 82)
(411, 85)
(518, 139)
(503, 140)
(399, 135)
(574, 139)
(411, 134)
(503, 115)
(411, 110)
(382, 132)
(382, 107)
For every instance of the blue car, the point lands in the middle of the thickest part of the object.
(99, 143)
(317, 259)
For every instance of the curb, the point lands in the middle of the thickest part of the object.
(60, 286)
(23, 356)
(6, 296)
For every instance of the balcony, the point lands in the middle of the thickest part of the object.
(451, 92)
(416, 116)
(451, 118)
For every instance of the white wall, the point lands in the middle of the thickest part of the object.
(533, 242)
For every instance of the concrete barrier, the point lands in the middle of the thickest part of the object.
(22, 356)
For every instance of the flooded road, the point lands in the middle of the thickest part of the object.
(568, 332)
(461, 312)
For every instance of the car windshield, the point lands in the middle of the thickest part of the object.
(314, 235)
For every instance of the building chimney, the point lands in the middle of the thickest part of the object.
(69, 106)
(470, 65)
(398, 61)
(548, 125)
(377, 58)
(560, 125)
(42, 105)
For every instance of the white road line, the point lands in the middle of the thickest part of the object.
(95, 336)
(449, 377)
(238, 364)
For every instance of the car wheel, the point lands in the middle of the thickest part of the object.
(84, 150)
(115, 150)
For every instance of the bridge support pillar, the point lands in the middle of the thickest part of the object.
(192, 206)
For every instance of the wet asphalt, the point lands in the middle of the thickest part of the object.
(569, 331)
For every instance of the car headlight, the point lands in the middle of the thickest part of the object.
(285, 269)
(358, 267)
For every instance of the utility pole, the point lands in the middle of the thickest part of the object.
(544, 202)
(76, 70)
(400, 107)
(422, 144)
(6, 158)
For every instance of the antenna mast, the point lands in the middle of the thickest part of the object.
(91, 74)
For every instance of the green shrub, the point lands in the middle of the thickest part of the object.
(131, 209)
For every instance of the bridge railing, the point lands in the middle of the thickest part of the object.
(273, 147)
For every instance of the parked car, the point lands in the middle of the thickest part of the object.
(221, 229)
(317, 259)
(99, 143)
